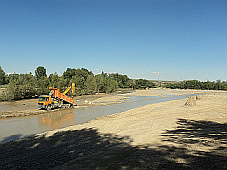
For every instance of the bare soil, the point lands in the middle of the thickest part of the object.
(168, 135)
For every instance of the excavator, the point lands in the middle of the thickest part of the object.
(55, 99)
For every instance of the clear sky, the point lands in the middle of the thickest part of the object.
(152, 39)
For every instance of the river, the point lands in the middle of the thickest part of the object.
(16, 128)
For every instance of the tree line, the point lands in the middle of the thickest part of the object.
(19, 86)
(195, 84)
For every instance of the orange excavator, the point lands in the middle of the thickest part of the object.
(55, 99)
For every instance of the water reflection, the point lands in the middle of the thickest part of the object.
(56, 120)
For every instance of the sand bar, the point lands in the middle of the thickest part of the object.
(168, 135)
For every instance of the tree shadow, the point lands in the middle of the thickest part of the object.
(10, 138)
(89, 149)
(200, 144)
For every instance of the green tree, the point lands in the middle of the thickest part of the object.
(83, 72)
(90, 84)
(105, 83)
(54, 79)
(69, 73)
(40, 72)
(122, 80)
(26, 86)
(62, 84)
(143, 83)
(100, 83)
(224, 85)
(80, 84)
(2, 76)
(20, 86)
(195, 84)
(43, 85)
(79, 77)
(111, 85)
(43, 81)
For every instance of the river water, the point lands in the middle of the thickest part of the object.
(12, 129)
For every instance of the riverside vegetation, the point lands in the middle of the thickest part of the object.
(20, 86)
(198, 85)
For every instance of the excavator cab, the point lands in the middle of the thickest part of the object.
(43, 98)
(44, 101)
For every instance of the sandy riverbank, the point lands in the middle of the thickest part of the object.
(164, 92)
(166, 135)
(28, 107)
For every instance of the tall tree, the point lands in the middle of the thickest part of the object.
(54, 79)
(143, 83)
(40, 72)
(82, 73)
(69, 73)
(2, 76)
(90, 84)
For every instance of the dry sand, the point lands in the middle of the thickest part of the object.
(146, 123)
(168, 135)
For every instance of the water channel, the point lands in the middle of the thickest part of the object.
(12, 129)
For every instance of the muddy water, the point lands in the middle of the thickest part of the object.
(12, 129)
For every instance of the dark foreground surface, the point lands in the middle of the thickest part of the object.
(88, 149)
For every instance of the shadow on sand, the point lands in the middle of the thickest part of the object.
(88, 149)
(10, 138)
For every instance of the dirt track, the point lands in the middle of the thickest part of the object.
(166, 135)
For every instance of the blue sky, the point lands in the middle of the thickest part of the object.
(152, 39)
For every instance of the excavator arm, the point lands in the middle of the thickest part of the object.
(70, 87)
